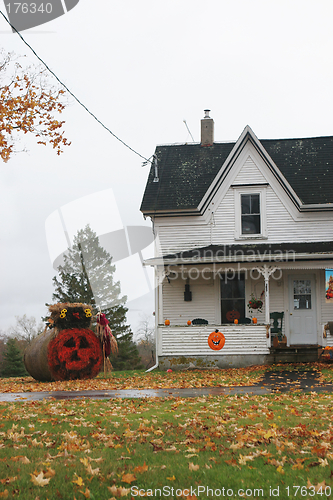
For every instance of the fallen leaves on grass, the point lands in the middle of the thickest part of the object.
(119, 491)
(142, 380)
(141, 468)
(8, 480)
(86, 493)
(128, 478)
(78, 481)
(318, 488)
(39, 479)
(21, 458)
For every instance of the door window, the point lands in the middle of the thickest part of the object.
(302, 294)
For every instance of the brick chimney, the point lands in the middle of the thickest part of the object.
(207, 130)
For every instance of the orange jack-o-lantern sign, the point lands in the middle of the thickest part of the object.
(232, 315)
(75, 353)
(216, 340)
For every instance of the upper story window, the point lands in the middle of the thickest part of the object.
(250, 214)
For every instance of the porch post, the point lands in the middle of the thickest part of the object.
(266, 271)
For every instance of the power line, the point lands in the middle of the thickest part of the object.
(71, 93)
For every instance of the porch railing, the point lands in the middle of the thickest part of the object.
(193, 340)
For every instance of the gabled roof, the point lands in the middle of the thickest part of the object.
(186, 172)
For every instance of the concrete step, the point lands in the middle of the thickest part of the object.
(294, 354)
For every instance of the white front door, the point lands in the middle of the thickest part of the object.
(302, 309)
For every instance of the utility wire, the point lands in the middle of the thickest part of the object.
(147, 160)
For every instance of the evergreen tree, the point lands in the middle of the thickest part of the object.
(87, 276)
(12, 365)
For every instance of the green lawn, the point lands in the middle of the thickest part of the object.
(235, 446)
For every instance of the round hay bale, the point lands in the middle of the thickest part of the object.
(35, 357)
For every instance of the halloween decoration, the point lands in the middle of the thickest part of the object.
(216, 340)
(327, 354)
(236, 321)
(74, 354)
(254, 321)
(67, 349)
(189, 322)
(232, 315)
(167, 322)
(108, 341)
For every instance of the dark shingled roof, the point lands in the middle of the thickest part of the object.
(186, 171)
(307, 164)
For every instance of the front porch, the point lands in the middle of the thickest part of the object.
(181, 347)
(221, 289)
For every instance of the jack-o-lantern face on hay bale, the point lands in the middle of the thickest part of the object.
(75, 354)
(216, 340)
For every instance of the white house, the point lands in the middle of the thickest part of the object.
(235, 219)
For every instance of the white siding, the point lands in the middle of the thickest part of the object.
(193, 341)
(249, 174)
(202, 305)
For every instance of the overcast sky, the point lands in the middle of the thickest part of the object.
(142, 67)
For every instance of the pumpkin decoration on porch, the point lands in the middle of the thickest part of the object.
(254, 321)
(167, 322)
(216, 340)
(236, 321)
(67, 349)
(189, 322)
(232, 315)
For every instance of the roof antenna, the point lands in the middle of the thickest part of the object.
(188, 130)
(156, 179)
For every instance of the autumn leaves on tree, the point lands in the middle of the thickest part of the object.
(29, 103)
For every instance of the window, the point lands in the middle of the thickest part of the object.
(232, 297)
(250, 210)
(302, 294)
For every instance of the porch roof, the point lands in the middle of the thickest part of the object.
(258, 252)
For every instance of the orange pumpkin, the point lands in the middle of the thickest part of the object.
(254, 321)
(189, 322)
(236, 321)
(216, 340)
(167, 322)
